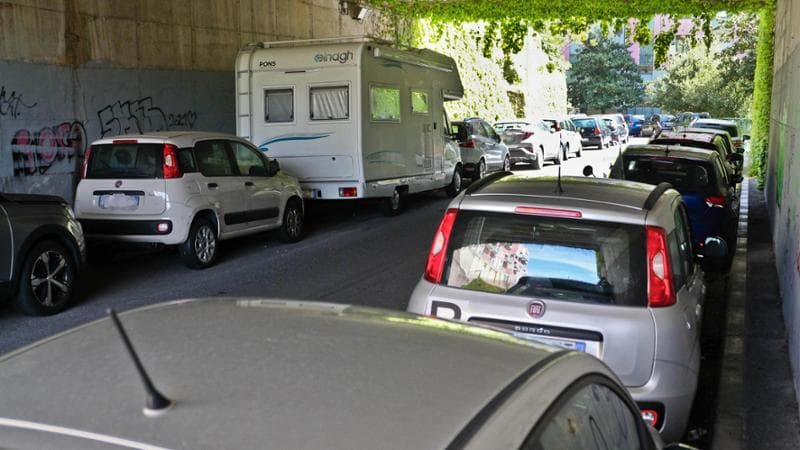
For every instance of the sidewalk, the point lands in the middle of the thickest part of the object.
(756, 406)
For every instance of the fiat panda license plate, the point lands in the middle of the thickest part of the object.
(590, 347)
(118, 201)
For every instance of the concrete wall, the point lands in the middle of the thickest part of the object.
(72, 71)
(783, 177)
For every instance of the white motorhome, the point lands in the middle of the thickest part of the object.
(351, 117)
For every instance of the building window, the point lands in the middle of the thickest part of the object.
(278, 105)
(385, 103)
(329, 103)
(646, 56)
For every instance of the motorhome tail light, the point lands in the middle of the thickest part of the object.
(549, 212)
(172, 168)
(470, 143)
(715, 201)
(526, 134)
(85, 166)
(650, 416)
(348, 192)
(597, 132)
(435, 265)
(660, 292)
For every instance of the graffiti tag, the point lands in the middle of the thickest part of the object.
(11, 103)
(186, 119)
(140, 116)
(51, 149)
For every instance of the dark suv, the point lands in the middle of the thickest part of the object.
(41, 252)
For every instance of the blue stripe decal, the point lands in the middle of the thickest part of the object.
(292, 137)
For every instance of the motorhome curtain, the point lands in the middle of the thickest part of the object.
(329, 103)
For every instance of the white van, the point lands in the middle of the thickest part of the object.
(351, 117)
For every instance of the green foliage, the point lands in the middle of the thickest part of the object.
(762, 93)
(542, 14)
(604, 77)
(517, 100)
(719, 81)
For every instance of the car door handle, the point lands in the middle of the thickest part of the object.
(249, 183)
(213, 185)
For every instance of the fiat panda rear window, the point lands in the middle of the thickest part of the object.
(126, 161)
(570, 260)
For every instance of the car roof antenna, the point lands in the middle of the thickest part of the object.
(559, 190)
(157, 403)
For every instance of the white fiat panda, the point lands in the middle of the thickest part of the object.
(189, 189)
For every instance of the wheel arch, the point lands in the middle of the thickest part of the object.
(210, 215)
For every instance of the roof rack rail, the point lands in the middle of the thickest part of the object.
(655, 194)
(475, 185)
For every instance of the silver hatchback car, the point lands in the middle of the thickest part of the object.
(601, 266)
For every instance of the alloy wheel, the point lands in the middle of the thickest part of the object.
(50, 279)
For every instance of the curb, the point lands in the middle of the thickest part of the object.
(729, 424)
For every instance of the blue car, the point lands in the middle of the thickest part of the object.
(634, 122)
(701, 178)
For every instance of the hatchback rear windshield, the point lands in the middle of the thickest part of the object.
(584, 123)
(561, 259)
(731, 129)
(126, 161)
(684, 175)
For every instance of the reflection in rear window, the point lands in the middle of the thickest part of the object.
(686, 176)
(126, 161)
(584, 123)
(561, 259)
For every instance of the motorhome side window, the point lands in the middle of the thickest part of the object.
(385, 103)
(419, 102)
(278, 105)
(329, 103)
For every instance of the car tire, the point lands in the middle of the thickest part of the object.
(481, 172)
(393, 205)
(454, 187)
(47, 280)
(579, 153)
(506, 164)
(292, 223)
(539, 162)
(566, 152)
(559, 156)
(200, 248)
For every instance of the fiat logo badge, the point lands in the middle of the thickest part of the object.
(536, 309)
(118, 183)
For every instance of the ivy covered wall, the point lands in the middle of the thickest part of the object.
(534, 91)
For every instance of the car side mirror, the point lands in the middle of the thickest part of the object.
(273, 167)
(257, 171)
(745, 137)
(588, 171)
(497, 138)
(736, 179)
